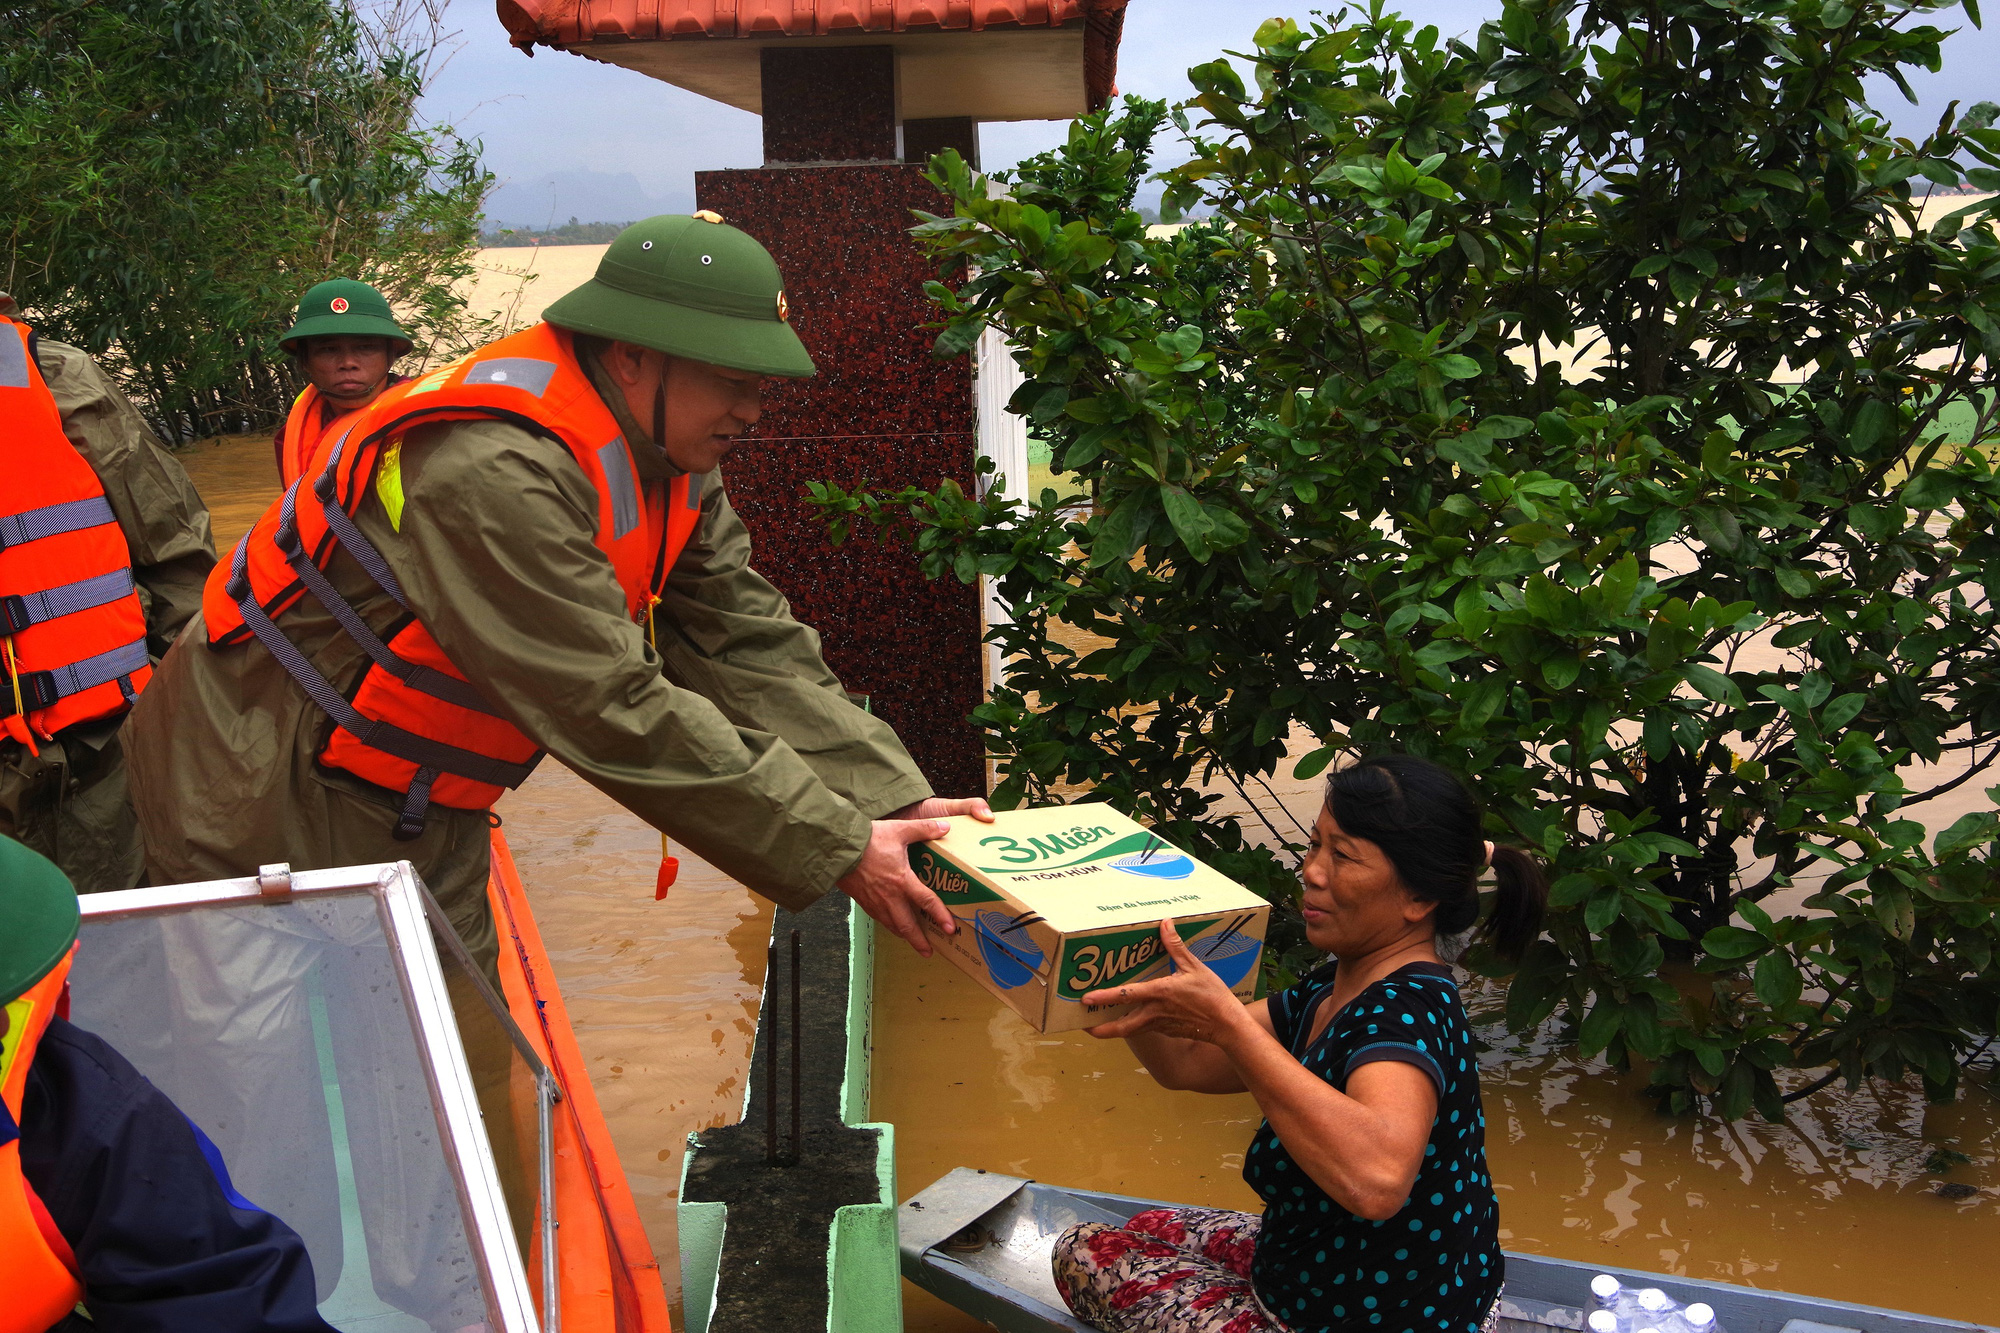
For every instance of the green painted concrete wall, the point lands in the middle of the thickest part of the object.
(863, 1275)
(701, 1227)
(864, 1281)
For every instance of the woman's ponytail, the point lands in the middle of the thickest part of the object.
(1521, 895)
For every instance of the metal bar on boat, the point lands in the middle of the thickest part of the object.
(403, 899)
(246, 889)
(447, 935)
(546, 1093)
(770, 1055)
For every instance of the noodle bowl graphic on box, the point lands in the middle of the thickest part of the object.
(1054, 903)
(1167, 865)
(1009, 962)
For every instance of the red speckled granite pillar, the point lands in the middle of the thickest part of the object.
(829, 104)
(881, 411)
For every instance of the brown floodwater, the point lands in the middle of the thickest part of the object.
(1838, 1202)
(237, 476)
(662, 995)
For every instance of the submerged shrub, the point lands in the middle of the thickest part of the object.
(1596, 408)
(180, 171)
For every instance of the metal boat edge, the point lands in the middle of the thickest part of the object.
(980, 1241)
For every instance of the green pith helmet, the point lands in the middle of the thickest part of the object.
(343, 305)
(38, 917)
(693, 287)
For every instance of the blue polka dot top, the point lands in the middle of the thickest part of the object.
(1435, 1266)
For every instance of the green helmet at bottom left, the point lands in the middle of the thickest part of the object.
(38, 918)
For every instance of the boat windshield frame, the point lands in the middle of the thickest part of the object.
(415, 924)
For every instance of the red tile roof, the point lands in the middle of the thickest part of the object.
(566, 24)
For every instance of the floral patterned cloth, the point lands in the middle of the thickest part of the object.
(1170, 1270)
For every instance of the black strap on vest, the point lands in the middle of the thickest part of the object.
(31, 525)
(430, 756)
(34, 608)
(425, 680)
(41, 689)
(348, 535)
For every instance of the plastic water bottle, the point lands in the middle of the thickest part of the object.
(1613, 1302)
(1645, 1310)
(1620, 1300)
(1622, 1309)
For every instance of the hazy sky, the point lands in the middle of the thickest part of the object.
(568, 136)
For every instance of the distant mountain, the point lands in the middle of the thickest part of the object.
(541, 205)
(572, 232)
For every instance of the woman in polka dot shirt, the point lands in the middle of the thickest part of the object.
(1371, 1161)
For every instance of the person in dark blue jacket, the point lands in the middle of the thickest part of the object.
(119, 1216)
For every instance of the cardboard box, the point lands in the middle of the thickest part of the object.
(1056, 902)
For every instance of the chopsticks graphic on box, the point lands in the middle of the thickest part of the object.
(1215, 946)
(1028, 918)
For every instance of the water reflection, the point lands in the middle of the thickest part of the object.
(1839, 1201)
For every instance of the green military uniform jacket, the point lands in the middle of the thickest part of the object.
(734, 738)
(68, 801)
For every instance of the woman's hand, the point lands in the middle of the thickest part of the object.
(1191, 1003)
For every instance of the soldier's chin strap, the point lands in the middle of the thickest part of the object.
(660, 408)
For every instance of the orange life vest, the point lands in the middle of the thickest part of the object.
(413, 723)
(308, 421)
(311, 420)
(74, 632)
(41, 1279)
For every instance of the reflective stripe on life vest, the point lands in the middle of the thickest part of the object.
(72, 629)
(41, 1280)
(413, 723)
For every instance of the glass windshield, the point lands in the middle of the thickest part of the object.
(281, 1027)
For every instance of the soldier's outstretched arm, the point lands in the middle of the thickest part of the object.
(726, 633)
(493, 545)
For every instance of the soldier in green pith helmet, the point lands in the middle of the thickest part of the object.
(532, 549)
(344, 339)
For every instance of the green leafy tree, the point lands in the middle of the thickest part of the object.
(1593, 408)
(179, 171)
